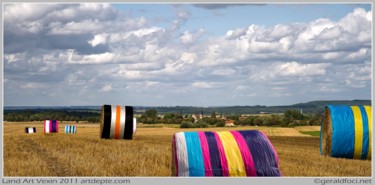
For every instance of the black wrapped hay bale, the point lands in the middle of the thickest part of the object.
(116, 122)
(30, 130)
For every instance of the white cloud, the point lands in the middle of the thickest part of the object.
(93, 59)
(98, 39)
(33, 85)
(224, 72)
(106, 88)
(204, 85)
(86, 26)
(289, 69)
(93, 45)
(296, 69)
(186, 37)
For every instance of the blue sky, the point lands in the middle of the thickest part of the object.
(219, 20)
(185, 54)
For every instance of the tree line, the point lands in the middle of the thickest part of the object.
(41, 115)
(290, 118)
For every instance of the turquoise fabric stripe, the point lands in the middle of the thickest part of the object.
(342, 131)
(365, 141)
(195, 156)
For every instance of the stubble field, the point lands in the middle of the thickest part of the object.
(149, 153)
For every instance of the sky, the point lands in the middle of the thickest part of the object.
(185, 54)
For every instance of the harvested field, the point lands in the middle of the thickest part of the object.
(149, 153)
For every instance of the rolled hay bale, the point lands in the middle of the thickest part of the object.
(30, 130)
(116, 122)
(51, 126)
(224, 153)
(70, 129)
(346, 132)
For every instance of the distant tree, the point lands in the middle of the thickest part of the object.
(213, 115)
(267, 121)
(275, 120)
(294, 114)
(169, 115)
(235, 117)
(151, 113)
(220, 123)
(186, 124)
(190, 119)
(286, 121)
(258, 121)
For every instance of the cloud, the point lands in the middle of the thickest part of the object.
(204, 85)
(289, 70)
(94, 47)
(106, 88)
(98, 39)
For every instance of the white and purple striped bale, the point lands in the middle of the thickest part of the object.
(51, 126)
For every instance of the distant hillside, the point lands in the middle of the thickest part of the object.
(309, 107)
(315, 106)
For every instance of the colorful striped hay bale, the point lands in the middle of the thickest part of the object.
(117, 122)
(30, 130)
(224, 153)
(70, 129)
(346, 132)
(51, 126)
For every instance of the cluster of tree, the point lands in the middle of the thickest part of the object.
(187, 121)
(308, 107)
(198, 124)
(290, 118)
(63, 115)
(203, 123)
(151, 117)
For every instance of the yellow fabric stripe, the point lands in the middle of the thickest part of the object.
(235, 163)
(358, 131)
(369, 117)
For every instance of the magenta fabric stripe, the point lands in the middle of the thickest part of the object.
(246, 155)
(205, 154)
(273, 149)
(223, 157)
(175, 154)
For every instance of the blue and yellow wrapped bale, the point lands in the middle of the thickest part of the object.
(346, 132)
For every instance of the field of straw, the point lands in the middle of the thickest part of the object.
(149, 153)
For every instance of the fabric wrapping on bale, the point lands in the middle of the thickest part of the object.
(346, 132)
(70, 129)
(117, 122)
(51, 126)
(224, 153)
(134, 125)
(30, 130)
